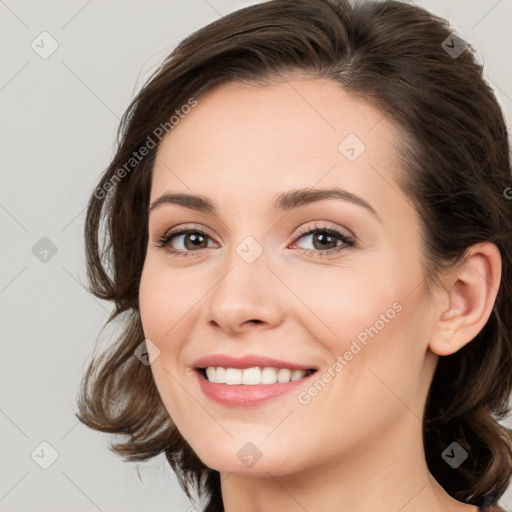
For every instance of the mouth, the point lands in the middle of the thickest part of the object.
(253, 376)
(249, 381)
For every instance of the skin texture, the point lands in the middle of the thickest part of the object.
(357, 445)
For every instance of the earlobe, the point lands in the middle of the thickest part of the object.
(444, 340)
(471, 291)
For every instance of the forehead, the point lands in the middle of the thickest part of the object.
(259, 138)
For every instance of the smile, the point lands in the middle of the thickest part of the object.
(250, 380)
(253, 376)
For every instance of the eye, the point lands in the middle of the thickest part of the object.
(190, 240)
(325, 240)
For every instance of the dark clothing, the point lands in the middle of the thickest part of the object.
(490, 508)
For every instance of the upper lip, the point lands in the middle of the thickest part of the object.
(247, 361)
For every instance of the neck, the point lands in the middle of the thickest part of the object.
(387, 474)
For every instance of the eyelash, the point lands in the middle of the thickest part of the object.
(348, 241)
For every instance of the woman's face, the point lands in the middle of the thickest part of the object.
(258, 282)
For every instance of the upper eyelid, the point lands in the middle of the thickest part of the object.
(309, 229)
(301, 231)
(185, 229)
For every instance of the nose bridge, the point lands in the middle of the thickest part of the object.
(245, 292)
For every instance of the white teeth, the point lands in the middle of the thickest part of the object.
(297, 374)
(253, 376)
(210, 373)
(268, 376)
(220, 375)
(284, 375)
(233, 376)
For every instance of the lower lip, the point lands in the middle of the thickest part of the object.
(245, 395)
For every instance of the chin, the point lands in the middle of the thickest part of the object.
(255, 458)
(261, 468)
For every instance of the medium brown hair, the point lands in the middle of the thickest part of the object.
(456, 169)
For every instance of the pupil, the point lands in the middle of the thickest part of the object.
(195, 239)
(325, 238)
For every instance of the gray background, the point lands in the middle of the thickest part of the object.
(58, 120)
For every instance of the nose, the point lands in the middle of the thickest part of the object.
(247, 296)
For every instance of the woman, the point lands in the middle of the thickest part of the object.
(309, 243)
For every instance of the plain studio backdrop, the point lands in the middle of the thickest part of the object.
(69, 70)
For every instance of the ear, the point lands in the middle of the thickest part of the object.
(470, 292)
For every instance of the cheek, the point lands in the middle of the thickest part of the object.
(377, 321)
(166, 301)
(165, 311)
(341, 303)
(391, 369)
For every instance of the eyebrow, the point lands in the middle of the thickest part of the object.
(284, 202)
